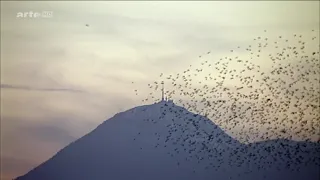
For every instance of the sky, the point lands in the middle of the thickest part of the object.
(61, 76)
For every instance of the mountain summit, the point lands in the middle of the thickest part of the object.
(165, 141)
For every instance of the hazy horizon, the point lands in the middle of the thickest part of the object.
(61, 76)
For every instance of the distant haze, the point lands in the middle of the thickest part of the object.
(61, 76)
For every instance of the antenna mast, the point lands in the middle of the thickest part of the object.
(162, 98)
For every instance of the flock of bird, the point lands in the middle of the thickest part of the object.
(277, 98)
(199, 141)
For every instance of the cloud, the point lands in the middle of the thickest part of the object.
(95, 65)
(28, 88)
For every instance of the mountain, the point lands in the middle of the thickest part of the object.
(165, 141)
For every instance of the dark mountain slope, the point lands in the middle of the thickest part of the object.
(165, 141)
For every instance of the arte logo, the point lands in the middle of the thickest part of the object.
(31, 14)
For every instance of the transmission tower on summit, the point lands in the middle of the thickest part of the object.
(162, 97)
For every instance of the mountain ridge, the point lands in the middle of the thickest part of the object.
(188, 146)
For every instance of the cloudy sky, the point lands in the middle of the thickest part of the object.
(61, 78)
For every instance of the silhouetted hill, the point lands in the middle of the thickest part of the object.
(165, 141)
